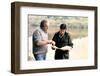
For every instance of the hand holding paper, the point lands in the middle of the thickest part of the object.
(63, 48)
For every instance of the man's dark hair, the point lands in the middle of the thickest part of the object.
(63, 26)
(42, 23)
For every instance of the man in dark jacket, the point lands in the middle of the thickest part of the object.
(62, 38)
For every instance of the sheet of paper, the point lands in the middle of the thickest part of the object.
(63, 48)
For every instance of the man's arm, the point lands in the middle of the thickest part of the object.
(70, 41)
(43, 42)
(37, 39)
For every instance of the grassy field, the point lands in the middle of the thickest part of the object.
(76, 26)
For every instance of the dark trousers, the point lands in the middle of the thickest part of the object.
(59, 54)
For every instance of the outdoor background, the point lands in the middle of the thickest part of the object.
(77, 27)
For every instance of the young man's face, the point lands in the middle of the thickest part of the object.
(62, 31)
(45, 28)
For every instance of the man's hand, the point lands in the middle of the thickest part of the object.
(53, 47)
(51, 42)
(63, 48)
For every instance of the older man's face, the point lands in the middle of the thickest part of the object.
(45, 28)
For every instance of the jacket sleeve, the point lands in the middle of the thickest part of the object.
(54, 38)
(70, 41)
